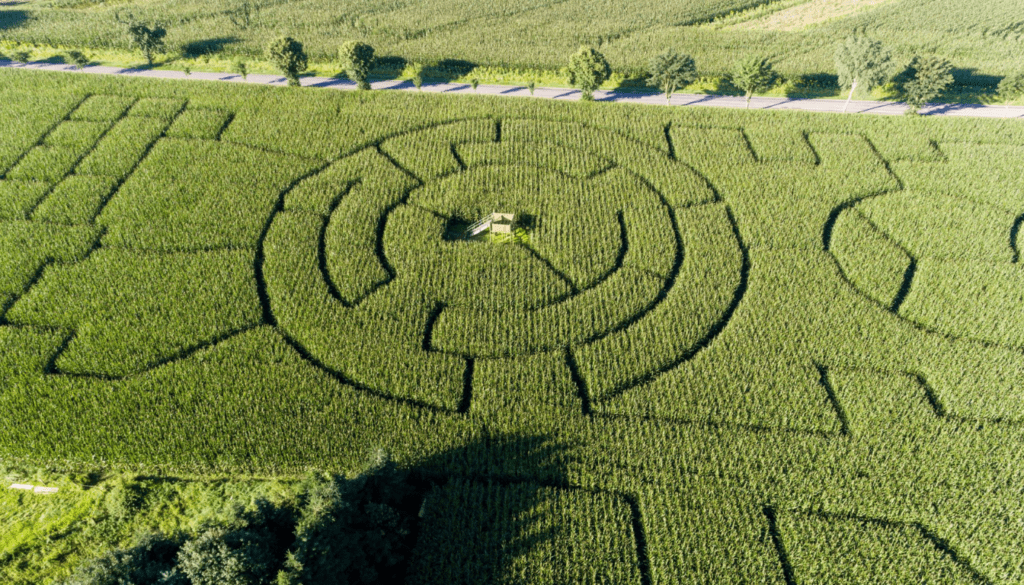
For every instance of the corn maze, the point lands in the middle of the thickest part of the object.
(735, 348)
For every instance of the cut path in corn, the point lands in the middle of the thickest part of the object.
(834, 106)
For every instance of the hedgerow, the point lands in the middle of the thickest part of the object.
(722, 342)
(518, 34)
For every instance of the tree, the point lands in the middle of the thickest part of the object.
(148, 39)
(588, 69)
(928, 77)
(353, 530)
(357, 60)
(149, 561)
(249, 549)
(287, 54)
(1011, 87)
(671, 71)
(861, 61)
(752, 74)
(474, 82)
(531, 86)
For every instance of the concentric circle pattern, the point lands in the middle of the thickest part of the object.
(628, 264)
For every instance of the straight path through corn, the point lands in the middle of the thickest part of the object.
(834, 106)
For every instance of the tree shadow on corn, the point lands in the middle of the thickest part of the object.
(12, 18)
(474, 514)
(482, 517)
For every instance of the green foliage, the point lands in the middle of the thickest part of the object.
(288, 55)
(416, 74)
(734, 333)
(1011, 87)
(116, 342)
(240, 67)
(671, 71)
(247, 550)
(863, 62)
(554, 552)
(246, 14)
(199, 124)
(334, 530)
(873, 262)
(928, 77)
(79, 58)
(354, 530)
(357, 61)
(147, 37)
(753, 74)
(124, 500)
(588, 69)
(150, 561)
(515, 35)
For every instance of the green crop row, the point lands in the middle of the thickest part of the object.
(539, 34)
(692, 368)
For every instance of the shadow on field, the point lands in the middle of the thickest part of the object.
(388, 67)
(12, 18)
(448, 70)
(973, 78)
(479, 508)
(206, 47)
(811, 84)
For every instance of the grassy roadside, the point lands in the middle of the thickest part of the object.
(804, 87)
(45, 537)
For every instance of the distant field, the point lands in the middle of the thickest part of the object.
(982, 39)
(733, 347)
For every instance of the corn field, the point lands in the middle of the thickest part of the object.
(735, 347)
(982, 39)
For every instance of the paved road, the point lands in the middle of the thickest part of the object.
(679, 99)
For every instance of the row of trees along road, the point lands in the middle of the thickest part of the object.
(860, 62)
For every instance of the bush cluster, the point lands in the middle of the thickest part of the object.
(345, 532)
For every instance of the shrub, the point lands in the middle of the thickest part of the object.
(416, 74)
(78, 58)
(588, 69)
(1011, 87)
(353, 531)
(241, 68)
(288, 55)
(357, 60)
(124, 500)
(149, 562)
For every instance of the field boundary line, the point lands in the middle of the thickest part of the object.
(833, 106)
